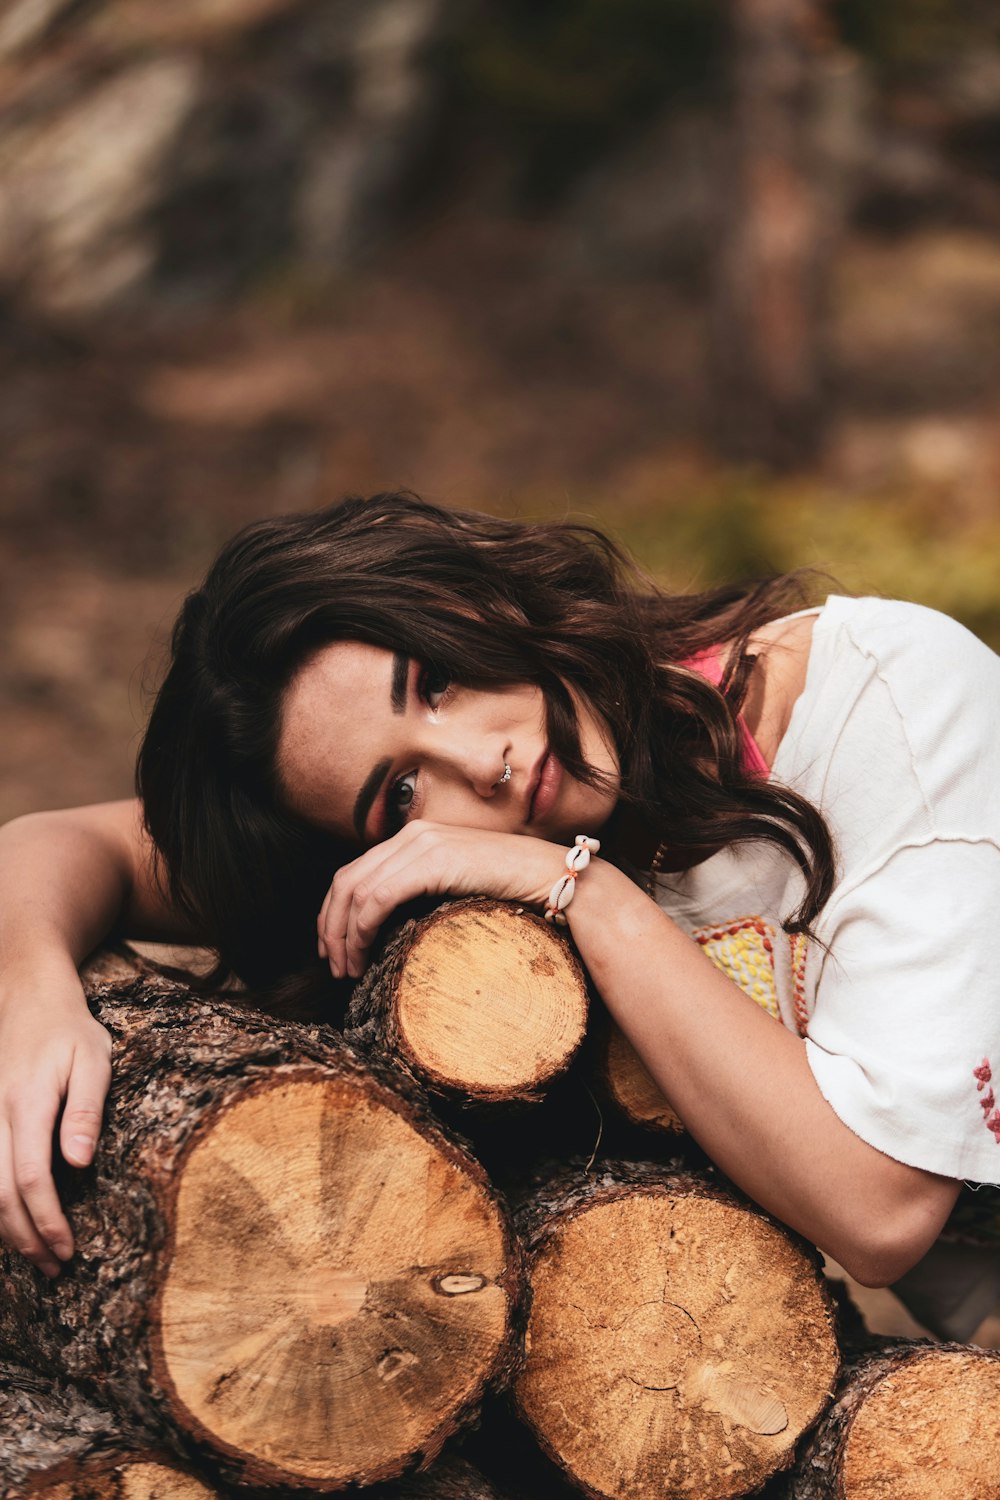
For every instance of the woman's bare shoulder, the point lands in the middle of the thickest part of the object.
(115, 832)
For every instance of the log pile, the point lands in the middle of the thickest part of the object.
(292, 1273)
(912, 1420)
(284, 1264)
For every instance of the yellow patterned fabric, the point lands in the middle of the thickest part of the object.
(744, 950)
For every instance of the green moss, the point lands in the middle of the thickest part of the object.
(899, 543)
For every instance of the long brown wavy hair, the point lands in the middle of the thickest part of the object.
(481, 599)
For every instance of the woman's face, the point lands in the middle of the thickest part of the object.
(370, 739)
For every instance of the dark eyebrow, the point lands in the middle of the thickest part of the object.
(373, 781)
(400, 678)
(367, 795)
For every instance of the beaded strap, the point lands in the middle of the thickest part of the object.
(561, 894)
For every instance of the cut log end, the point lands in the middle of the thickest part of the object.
(677, 1346)
(144, 1480)
(338, 1288)
(122, 1479)
(152, 1481)
(632, 1088)
(490, 1002)
(929, 1430)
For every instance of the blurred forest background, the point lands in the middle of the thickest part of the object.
(721, 275)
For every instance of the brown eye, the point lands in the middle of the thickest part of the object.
(404, 791)
(434, 683)
(399, 801)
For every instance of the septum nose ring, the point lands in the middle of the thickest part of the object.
(506, 775)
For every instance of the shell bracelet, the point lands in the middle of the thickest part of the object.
(561, 894)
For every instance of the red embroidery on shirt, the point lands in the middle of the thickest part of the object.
(991, 1116)
(798, 946)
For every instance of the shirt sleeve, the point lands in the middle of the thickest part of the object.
(904, 1038)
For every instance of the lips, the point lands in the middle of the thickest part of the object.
(545, 787)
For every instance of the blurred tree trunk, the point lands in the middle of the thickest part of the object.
(773, 249)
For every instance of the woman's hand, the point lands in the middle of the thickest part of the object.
(52, 1053)
(428, 859)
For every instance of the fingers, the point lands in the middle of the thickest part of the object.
(358, 910)
(350, 882)
(85, 1095)
(374, 900)
(25, 1169)
(426, 859)
(363, 894)
(331, 923)
(31, 1217)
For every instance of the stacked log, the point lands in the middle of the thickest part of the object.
(480, 1001)
(679, 1342)
(291, 1274)
(283, 1264)
(912, 1421)
(628, 1086)
(56, 1443)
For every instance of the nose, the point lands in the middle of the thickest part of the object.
(485, 770)
(478, 761)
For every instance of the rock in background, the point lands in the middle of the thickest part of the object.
(177, 150)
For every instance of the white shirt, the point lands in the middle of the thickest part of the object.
(896, 739)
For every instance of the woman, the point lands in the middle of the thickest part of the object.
(416, 701)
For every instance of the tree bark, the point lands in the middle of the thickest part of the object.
(451, 1478)
(774, 240)
(55, 1442)
(679, 1342)
(481, 1001)
(281, 1259)
(912, 1421)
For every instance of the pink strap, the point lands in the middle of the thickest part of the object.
(709, 664)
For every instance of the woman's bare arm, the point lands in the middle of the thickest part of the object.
(739, 1080)
(742, 1084)
(67, 880)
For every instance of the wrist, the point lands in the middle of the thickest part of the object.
(582, 889)
(46, 972)
(575, 861)
(605, 896)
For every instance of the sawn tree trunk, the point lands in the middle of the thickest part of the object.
(281, 1258)
(679, 1342)
(481, 1001)
(912, 1421)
